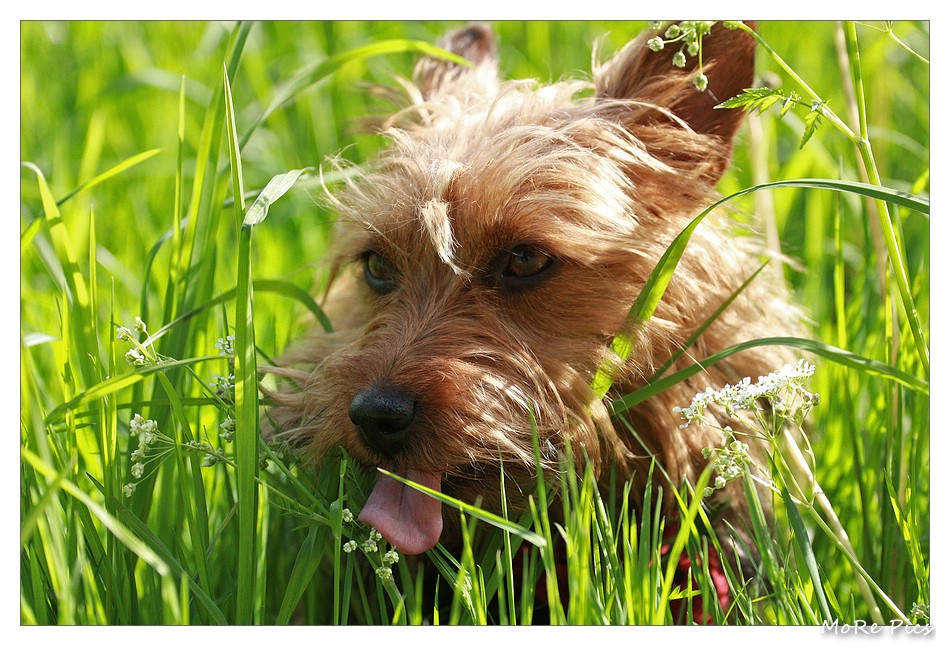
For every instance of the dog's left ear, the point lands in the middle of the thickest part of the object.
(639, 73)
(475, 42)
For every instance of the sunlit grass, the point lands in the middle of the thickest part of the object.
(142, 164)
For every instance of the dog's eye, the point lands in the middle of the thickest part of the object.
(525, 261)
(381, 274)
(521, 267)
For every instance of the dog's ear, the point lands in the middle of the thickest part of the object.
(639, 73)
(475, 42)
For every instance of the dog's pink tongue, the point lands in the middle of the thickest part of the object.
(410, 520)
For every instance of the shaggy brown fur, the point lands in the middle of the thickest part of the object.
(487, 260)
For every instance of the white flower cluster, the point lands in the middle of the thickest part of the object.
(134, 357)
(224, 387)
(138, 355)
(779, 388)
(227, 427)
(920, 612)
(370, 546)
(146, 431)
(225, 345)
(729, 462)
(779, 394)
(687, 36)
(224, 384)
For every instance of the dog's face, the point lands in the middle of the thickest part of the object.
(488, 259)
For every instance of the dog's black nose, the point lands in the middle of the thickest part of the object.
(382, 414)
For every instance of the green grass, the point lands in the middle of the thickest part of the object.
(143, 165)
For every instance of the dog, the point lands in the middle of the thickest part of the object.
(487, 259)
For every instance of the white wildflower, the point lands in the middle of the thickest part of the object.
(224, 386)
(123, 334)
(780, 393)
(779, 388)
(139, 426)
(225, 345)
(134, 357)
(920, 613)
(227, 429)
(728, 463)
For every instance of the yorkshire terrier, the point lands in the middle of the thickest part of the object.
(486, 261)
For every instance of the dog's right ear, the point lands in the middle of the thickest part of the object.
(641, 74)
(475, 42)
(638, 72)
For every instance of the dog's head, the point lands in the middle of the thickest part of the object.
(489, 256)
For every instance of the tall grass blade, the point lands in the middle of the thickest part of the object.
(686, 527)
(193, 501)
(274, 190)
(910, 531)
(317, 71)
(128, 163)
(78, 290)
(485, 516)
(115, 384)
(895, 250)
(653, 290)
(832, 353)
(121, 533)
(705, 324)
(215, 616)
(245, 386)
(202, 221)
(275, 286)
(802, 543)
